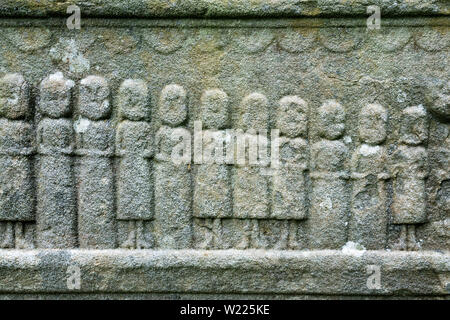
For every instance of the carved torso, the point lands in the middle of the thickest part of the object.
(293, 153)
(369, 159)
(97, 139)
(16, 137)
(134, 138)
(328, 156)
(410, 162)
(55, 136)
(166, 140)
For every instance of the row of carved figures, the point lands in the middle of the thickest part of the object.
(56, 208)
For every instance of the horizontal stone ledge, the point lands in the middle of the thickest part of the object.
(186, 23)
(324, 272)
(222, 8)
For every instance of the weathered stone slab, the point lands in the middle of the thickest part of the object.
(224, 272)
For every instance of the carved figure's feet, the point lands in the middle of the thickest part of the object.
(244, 244)
(400, 245)
(8, 237)
(143, 244)
(130, 243)
(412, 243)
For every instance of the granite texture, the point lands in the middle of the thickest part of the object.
(221, 8)
(99, 198)
(253, 272)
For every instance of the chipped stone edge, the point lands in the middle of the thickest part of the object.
(326, 272)
(222, 8)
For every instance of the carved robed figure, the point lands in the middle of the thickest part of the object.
(56, 207)
(95, 148)
(134, 147)
(16, 166)
(173, 193)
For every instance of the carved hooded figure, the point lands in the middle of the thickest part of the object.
(410, 170)
(134, 146)
(16, 170)
(368, 219)
(95, 148)
(251, 187)
(212, 182)
(173, 194)
(289, 198)
(329, 212)
(56, 209)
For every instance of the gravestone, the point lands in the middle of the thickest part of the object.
(211, 149)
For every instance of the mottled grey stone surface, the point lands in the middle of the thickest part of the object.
(229, 272)
(93, 204)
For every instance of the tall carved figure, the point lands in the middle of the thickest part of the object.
(16, 148)
(410, 171)
(134, 146)
(212, 183)
(95, 146)
(368, 220)
(251, 186)
(329, 210)
(438, 148)
(173, 195)
(56, 209)
(289, 198)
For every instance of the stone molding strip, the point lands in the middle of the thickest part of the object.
(185, 23)
(324, 272)
(222, 8)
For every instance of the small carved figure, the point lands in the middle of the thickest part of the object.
(212, 183)
(95, 146)
(134, 146)
(328, 217)
(289, 198)
(409, 172)
(368, 221)
(56, 209)
(16, 148)
(251, 186)
(173, 194)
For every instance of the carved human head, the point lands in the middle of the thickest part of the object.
(372, 124)
(215, 109)
(292, 119)
(254, 112)
(331, 120)
(133, 100)
(13, 96)
(438, 99)
(55, 96)
(414, 127)
(172, 105)
(93, 100)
